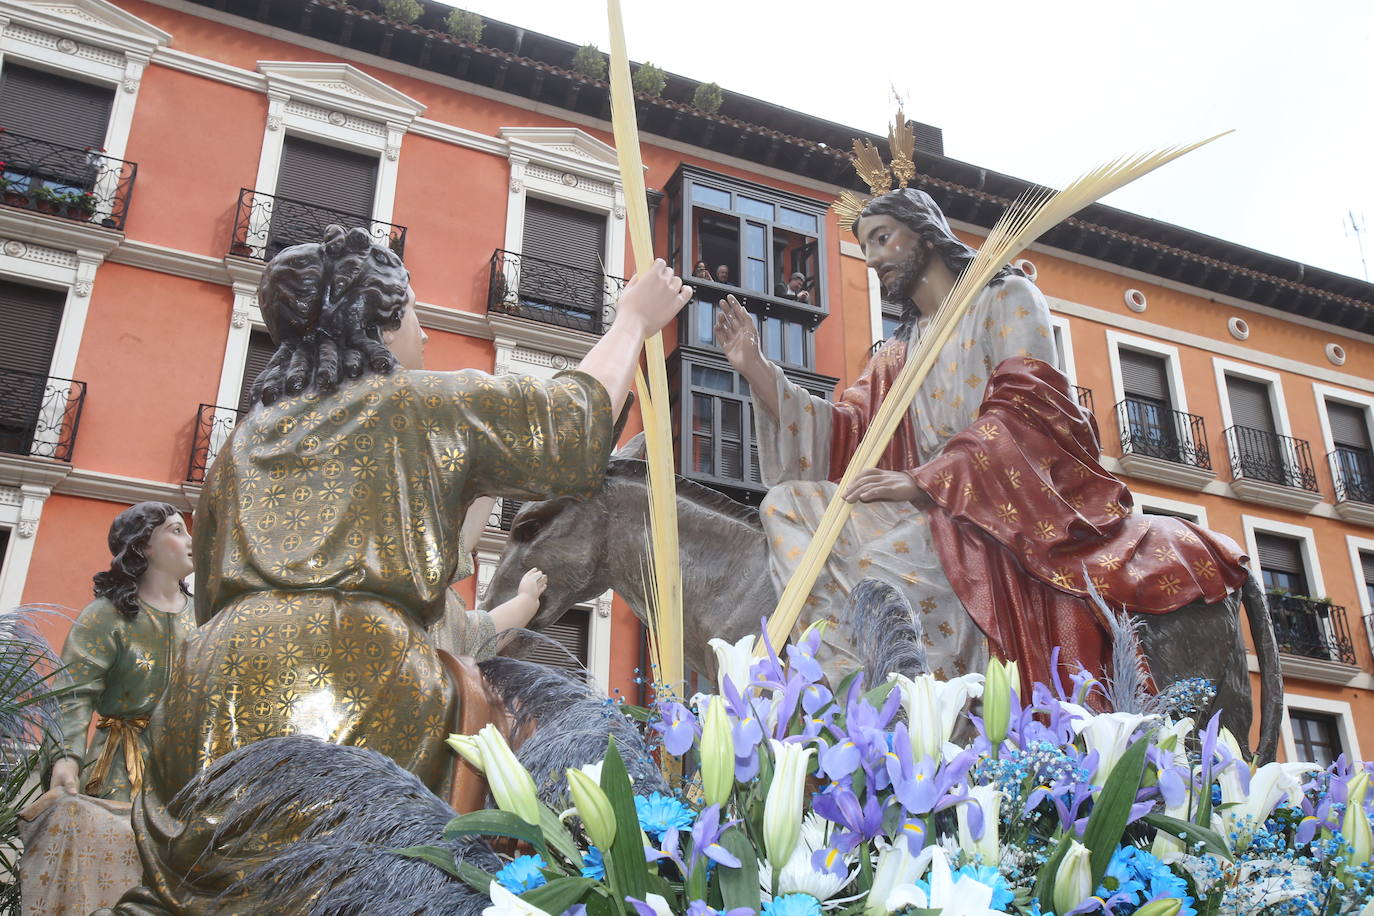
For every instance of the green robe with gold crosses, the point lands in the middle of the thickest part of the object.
(118, 669)
(325, 540)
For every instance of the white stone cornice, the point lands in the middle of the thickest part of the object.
(56, 232)
(119, 488)
(568, 148)
(1275, 494)
(170, 261)
(459, 136)
(1353, 511)
(340, 87)
(23, 470)
(1170, 472)
(92, 22)
(455, 321)
(243, 272)
(509, 331)
(210, 69)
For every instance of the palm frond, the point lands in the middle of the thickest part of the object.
(1032, 215)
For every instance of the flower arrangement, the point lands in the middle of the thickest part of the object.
(800, 797)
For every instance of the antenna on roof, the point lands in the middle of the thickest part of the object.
(1355, 226)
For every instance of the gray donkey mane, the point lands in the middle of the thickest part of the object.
(637, 470)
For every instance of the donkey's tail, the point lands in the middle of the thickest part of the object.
(1271, 677)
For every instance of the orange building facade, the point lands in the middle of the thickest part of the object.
(156, 153)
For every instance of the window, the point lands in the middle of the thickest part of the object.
(1147, 413)
(1258, 451)
(318, 185)
(1316, 736)
(4, 550)
(720, 427)
(1367, 571)
(260, 352)
(1281, 564)
(30, 317)
(1352, 460)
(561, 273)
(1300, 622)
(60, 110)
(571, 633)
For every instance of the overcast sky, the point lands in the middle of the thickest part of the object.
(1044, 90)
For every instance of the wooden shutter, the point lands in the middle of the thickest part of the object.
(1144, 376)
(1367, 565)
(1348, 426)
(1250, 404)
(260, 350)
(565, 235)
(30, 317)
(1279, 554)
(54, 108)
(571, 633)
(327, 176)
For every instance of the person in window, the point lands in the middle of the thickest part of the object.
(328, 533)
(723, 274)
(702, 272)
(794, 288)
(118, 656)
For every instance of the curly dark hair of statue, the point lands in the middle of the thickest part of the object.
(129, 534)
(918, 211)
(326, 304)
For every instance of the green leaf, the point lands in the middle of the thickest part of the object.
(1211, 840)
(625, 864)
(475, 878)
(439, 858)
(559, 894)
(878, 695)
(491, 822)
(1044, 882)
(558, 836)
(739, 886)
(1112, 809)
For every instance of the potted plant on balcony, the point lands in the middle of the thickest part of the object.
(80, 204)
(48, 200)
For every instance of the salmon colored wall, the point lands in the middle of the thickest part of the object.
(152, 351)
(196, 142)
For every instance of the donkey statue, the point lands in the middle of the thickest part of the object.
(596, 544)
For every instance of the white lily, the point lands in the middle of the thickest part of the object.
(505, 903)
(1074, 882)
(1368, 909)
(782, 809)
(965, 897)
(799, 875)
(1171, 740)
(989, 799)
(734, 660)
(896, 867)
(1109, 734)
(717, 752)
(1272, 783)
(932, 708)
(1355, 821)
(510, 783)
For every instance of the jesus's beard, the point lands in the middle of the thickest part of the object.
(900, 283)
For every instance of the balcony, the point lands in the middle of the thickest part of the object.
(552, 293)
(213, 426)
(1313, 630)
(1084, 397)
(1352, 474)
(39, 416)
(1162, 444)
(264, 224)
(1272, 469)
(82, 185)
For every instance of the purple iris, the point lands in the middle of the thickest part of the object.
(678, 726)
(706, 833)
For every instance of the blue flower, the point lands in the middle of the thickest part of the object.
(991, 877)
(793, 905)
(522, 874)
(593, 866)
(659, 813)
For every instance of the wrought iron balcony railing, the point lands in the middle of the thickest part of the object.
(64, 181)
(213, 426)
(553, 293)
(1154, 431)
(1084, 397)
(1352, 470)
(1261, 455)
(264, 224)
(1310, 628)
(39, 415)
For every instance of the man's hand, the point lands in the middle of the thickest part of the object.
(66, 774)
(739, 338)
(653, 298)
(533, 584)
(874, 485)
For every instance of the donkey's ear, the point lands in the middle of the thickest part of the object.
(631, 449)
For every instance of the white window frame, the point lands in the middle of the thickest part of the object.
(1274, 381)
(1150, 500)
(1358, 545)
(1178, 395)
(1061, 336)
(89, 40)
(1322, 394)
(1345, 723)
(1251, 524)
